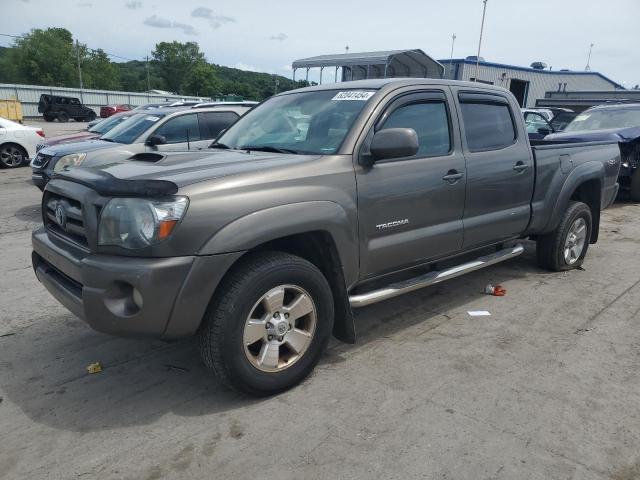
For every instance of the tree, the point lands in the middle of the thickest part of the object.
(45, 57)
(201, 81)
(175, 61)
(98, 71)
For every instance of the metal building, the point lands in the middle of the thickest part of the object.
(359, 66)
(527, 84)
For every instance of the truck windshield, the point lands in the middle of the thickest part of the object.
(302, 123)
(129, 130)
(605, 118)
(106, 125)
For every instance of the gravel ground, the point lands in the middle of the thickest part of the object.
(547, 387)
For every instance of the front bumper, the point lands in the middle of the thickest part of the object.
(127, 296)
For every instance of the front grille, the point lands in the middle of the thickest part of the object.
(63, 216)
(69, 284)
(41, 159)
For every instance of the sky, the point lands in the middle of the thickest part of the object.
(268, 35)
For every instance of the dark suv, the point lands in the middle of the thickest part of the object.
(64, 108)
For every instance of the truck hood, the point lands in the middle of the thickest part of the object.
(185, 168)
(78, 147)
(611, 134)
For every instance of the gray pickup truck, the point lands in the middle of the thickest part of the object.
(317, 202)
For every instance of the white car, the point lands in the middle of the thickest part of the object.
(17, 143)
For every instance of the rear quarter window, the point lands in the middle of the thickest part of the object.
(488, 126)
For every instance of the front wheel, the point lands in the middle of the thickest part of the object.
(12, 156)
(269, 324)
(566, 247)
(90, 117)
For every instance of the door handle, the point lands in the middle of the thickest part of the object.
(520, 167)
(453, 176)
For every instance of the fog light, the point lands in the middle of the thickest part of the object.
(137, 298)
(122, 299)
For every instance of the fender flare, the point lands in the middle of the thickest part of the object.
(593, 170)
(256, 228)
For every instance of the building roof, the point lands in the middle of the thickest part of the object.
(529, 69)
(415, 58)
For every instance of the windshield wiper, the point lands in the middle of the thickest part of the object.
(219, 145)
(267, 148)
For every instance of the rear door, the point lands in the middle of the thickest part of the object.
(410, 209)
(500, 170)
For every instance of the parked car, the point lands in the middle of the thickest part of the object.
(17, 143)
(537, 124)
(157, 130)
(263, 245)
(94, 132)
(109, 110)
(557, 117)
(611, 122)
(63, 108)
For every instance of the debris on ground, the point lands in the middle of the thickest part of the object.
(94, 368)
(497, 291)
(479, 313)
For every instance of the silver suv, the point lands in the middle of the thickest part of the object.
(158, 130)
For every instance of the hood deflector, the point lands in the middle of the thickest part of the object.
(109, 186)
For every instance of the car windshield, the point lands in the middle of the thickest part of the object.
(604, 118)
(106, 125)
(129, 130)
(305, 123)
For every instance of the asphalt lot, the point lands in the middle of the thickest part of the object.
(547, 387)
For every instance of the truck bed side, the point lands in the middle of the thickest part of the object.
(569, 170)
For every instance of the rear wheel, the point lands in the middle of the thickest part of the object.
(635, 185)
(12, 156)
(566, 247)
(267, 327)
(63, 117)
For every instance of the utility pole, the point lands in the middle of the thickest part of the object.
(484, 10)
(588, 67)
(453, 41)
(346, 49)
(78, 57)
(148, 81)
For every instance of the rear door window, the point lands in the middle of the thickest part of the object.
(212, 123)
(487, 125)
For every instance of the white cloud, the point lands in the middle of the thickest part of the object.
(160, 22)
(216, 21)
(281, 37)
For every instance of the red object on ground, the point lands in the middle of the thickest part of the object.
(109, 110)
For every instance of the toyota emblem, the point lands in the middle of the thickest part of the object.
(61, 216)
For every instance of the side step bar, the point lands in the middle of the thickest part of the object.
(431, 278)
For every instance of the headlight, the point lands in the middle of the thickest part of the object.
(73, 160)
(625, 164)
(137, 223)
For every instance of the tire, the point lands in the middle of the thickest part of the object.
(63, 117)
(226, 344)
(90, 117)
(48, 118)
(12, 155)
(552, 248)
(634, 184)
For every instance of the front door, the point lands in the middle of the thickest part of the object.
(181, 132)
(500, 170)
(410, 209)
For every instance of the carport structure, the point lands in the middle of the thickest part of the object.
(359, 66)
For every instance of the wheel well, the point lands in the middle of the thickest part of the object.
(319, 248)
(589, 193)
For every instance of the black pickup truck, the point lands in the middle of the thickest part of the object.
(317, 202)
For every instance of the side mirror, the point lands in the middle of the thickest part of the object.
(544, 131)
(394, 143)
(154, 140)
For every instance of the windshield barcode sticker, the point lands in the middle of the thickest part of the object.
(360, 95)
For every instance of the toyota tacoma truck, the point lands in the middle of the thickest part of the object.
(317, 202)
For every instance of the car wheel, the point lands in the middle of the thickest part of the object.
(63, 117)
(91, 117)
(566, 247)
(12, 156)
(48, 118)
(268, 325)
(634, 191)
